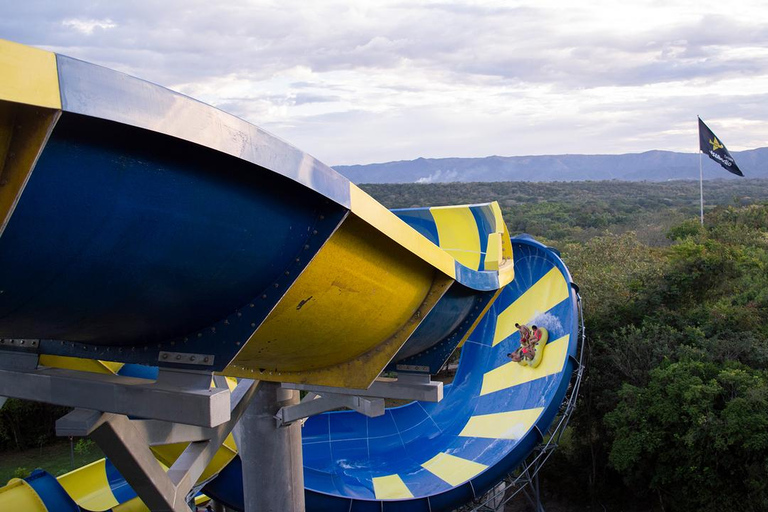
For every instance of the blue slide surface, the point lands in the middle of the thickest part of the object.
(438, 456)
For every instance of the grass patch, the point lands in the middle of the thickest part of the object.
(54, 458)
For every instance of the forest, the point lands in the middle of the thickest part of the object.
(673, 412)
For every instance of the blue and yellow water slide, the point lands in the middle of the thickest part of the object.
(140, 228)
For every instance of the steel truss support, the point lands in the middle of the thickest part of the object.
(175, 394)
(313, 404)
(370, 402)
(273, 469)
(127, 444)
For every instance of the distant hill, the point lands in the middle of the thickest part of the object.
(648, 166)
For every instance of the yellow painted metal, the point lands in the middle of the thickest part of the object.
(23, 133)
(83, 365)
(390, 487)
(458, 234)
(18, 495)
(89, 487)
(506, 263)
(493, 255)
(368, 209)
(452, 469)
(28, 75)
(548, 292)
(134, 505)
(346, 316)
(502, 425)
(512, 373)
(167, 455)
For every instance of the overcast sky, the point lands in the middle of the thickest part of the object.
(362, 82)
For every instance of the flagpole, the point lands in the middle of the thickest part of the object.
(701, 189)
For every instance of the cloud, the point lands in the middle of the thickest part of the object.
(87, 26)
(355, 82)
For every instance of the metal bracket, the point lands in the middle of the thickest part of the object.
(126, 442)
(313, 404)
(407, 386)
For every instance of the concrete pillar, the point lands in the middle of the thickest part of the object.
(273, 470)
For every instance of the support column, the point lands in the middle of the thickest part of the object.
(273, 470)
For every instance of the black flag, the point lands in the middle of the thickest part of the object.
(715, 149)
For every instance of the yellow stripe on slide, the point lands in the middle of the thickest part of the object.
(513, 374)
(502, 425)
(452, 469)
(390, 487)
(548, 292)
(19, 495)
(28, 75)
(458, 234)
(89, 487)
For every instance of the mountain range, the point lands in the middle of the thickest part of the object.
(648, 166)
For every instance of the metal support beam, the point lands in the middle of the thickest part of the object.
(174, 395)
(273, 472)
(408, 386)
(127, 442)
(316, 404)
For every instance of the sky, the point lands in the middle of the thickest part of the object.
(356, 82)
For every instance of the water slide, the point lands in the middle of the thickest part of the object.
(140, 228)
(439, 456)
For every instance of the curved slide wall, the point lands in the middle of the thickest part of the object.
(421, 456)
(437, 456)
(129, 182)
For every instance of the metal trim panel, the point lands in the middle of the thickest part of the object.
(100, 92)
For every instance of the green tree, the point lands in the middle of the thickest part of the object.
(696, 435)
